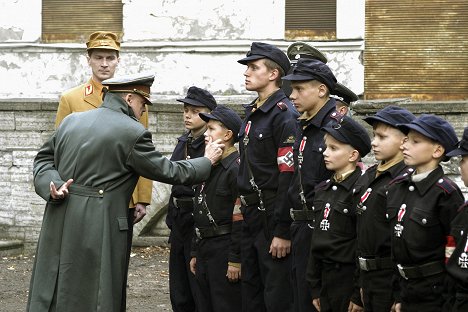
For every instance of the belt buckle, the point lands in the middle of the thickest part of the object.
(197, 232)
(242, 199)
(363, 264)
(401, 270)
(291, 213)
(174, 201)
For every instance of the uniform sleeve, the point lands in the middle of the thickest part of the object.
(286, 134)
(62, 111)
(44, 170)
(149, 163)
(237, 219)
(313, 275)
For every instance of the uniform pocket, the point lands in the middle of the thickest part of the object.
(424, 230)
(123, 223)
(343, 218)
(265, 150)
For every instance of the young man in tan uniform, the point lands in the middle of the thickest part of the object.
(103, 57)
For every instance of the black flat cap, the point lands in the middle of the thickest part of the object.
(199, 97)
(301, 49)
(309, 69)
(435, 128)
(350, 132)
(138, 83)
(259, 50)
(226, 116)
(462, 148)
(391, 115)
(343, 94)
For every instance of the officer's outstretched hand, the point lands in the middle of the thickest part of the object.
(193, 265)
(280, 247)
(396, 307)
(62, 192)
(214, 150)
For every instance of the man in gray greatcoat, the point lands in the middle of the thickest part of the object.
(86, 172)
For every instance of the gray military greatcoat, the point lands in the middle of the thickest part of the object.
(80, 259)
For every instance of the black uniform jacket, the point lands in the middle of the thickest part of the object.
(430, 205)
(313, 170)
(183, 150)
(220, 192)
(457, 265)
(373, 235)
(271, 137)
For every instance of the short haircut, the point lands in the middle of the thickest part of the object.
(271, 65)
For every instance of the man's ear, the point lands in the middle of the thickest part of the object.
(274, 74)
(439, 151)
(229, 134)
(322, 90)
(128, 98)
(354, 156)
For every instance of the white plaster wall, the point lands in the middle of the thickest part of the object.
(203, 19)
(350, 19)
(20, 20)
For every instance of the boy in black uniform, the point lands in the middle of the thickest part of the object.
(266, 139)
(457, 265)
(191, 144)
(343, 97)
(216, 250)
(311, 82)
(373, 235)
(420, 207)
(332, 261)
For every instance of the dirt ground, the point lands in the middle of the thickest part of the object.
(148, 281)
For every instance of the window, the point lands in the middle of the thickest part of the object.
(310, 20)
(74, 20)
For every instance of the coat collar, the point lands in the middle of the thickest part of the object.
(93, 93)
(269, 104)
(424, 185)
(347, 183)
(116, 103)
(195, 143)
(320, 118)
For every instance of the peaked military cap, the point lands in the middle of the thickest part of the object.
(435, 128)
(199, 97)
(259, 50)
(462, 148)
(309, 69)
(349, 131)
(103, 40)
(343, 94)
(391, 115)
(301, 49)
(226, 116)
(137, 83)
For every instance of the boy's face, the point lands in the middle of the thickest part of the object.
(258, 76)
(464, 169)
(192, 120)
(103, 64)
(419, 151)
(337, 155)
(305, 95)
(386, 142)
(215, 130)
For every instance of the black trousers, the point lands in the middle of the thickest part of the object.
(182, 285)
(217, 294)
(337, 286)
(428, 294)
(301, 234)
(266, 282)
(377, 290)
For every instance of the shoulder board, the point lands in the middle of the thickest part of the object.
(399, 179)
(447, 185)
(463, 207)
(282, 106)
(336, 116)
(322, 184)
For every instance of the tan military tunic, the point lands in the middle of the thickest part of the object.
(89, 96)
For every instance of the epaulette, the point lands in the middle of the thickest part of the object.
(322, 184)
(336, 116)
(446, 184)
(463, 207)
(282, 106)
(399, 179)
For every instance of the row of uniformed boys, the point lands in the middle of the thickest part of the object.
(294, 218)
